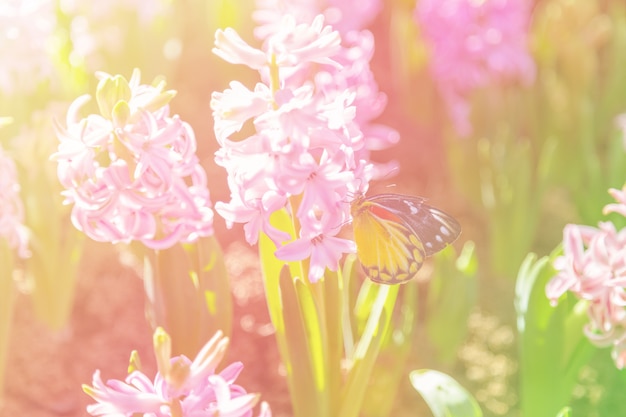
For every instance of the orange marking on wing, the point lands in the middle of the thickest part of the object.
(383, 213)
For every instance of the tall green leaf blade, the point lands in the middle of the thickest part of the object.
(298, 358)
(333, 295)
(445, 396)
(316, 341)
(367, 348)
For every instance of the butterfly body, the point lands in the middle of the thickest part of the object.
(394, 233)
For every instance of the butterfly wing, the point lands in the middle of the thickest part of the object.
(394, 233)
(434, 228)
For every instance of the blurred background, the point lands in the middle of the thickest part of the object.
(543, 146)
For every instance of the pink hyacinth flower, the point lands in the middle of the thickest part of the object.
(313, 117)
(131, 172)
(593, 267)
(181, 388)
(475, 44)
(343, 15)
(308, 154)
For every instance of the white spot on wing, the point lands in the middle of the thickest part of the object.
(444, 230)
(413, 209)
(438, 239)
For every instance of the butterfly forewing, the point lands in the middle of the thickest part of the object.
(394, 233)
(434, 228)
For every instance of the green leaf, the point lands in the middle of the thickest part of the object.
(451, 297)
(467, 262)
(272, 267)
(360, 371)
(528, 273)
(297, 357)
(553, 347)
(315, 338)
(361, 362)
(445, 396)
(333, 303)
(188, 293)
(390, 367)
(565, 412)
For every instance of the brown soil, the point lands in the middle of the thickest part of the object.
(46, 368)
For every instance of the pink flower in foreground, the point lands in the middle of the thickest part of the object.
(131, 171)
(12, 228)
(309, 154)
(181, 388)
(473, 44)
(593, 267)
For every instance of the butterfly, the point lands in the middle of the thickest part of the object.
(394, 233)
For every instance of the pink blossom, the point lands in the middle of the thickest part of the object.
(308, 154)
(12, 227)
(353, 77)
(475, 44)
(342, 15)
(26, 49)
(620, 206)
(181, 388)
(293, 45)
(320, 245)
(593, 267)
(131, 172)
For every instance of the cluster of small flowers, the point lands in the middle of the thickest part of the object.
(180, 388)
(26, 29)
(343, 15)
(131, 171)
(475, 44)
(310, 149)
(593, 267)
(353, 73)
(11, 209)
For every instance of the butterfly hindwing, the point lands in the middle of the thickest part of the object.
(394, 233)
(386, 249)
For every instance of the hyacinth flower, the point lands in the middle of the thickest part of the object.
(354, 56)
(343, 15)
(475, 44)
(181, 387)
(132, 176)
(291, 182)
(568, 305)
(13, 244)
(593, 268)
